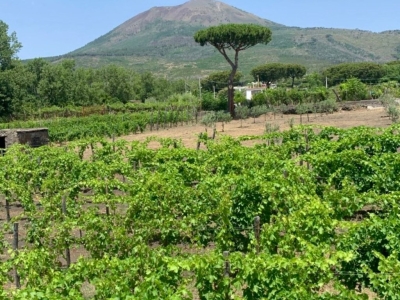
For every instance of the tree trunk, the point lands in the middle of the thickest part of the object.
(231, 106)
(231, 93)
(337, 96)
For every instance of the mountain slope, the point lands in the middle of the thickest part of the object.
(161, 40)
(171, 26)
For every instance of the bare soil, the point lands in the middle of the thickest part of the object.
(236, 128)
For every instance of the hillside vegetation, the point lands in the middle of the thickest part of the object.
(161, 40)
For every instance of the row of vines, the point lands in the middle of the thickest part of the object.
(112, 125)
(52, 112)
(169, 222)
(74, 128)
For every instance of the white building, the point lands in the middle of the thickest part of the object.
(251, 89)
(250, 92)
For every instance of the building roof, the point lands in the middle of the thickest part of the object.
(24, 129)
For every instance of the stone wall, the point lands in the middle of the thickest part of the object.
(34, 137)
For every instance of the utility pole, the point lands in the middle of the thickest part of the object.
(326, 82)
(214, 90)
(199, 88)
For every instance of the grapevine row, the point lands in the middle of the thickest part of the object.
(156, 222)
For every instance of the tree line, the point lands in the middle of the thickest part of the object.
(38, 84)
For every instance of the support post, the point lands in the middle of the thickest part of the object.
(227, 264)
(67, 251)
(107, 207)
(17, 279)
(8, 209)
(257, 233)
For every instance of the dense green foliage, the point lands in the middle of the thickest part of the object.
(272, 72)
(73, 128)
(295, 71)
(392, 71)
(269, 72)
(220, 102)
(219, 80)
(367, 72)
(275, 97)
(353, 89)
(233, 36)
(40, 84)
(155, 223)
(9, 47)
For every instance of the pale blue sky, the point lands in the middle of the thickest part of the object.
(55, 27)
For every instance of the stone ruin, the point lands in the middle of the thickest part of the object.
(34, 137)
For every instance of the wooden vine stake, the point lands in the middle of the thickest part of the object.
(8, 209)
(15, 248)
(64, 211)
(257, 233)
(227, 265)
(113, 142)
(199, 141)
(92, 149)
(107, 207)
(227, 270)
(158, 121)
(151, 120)
(307, 148)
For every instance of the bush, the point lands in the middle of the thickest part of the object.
(368, 72)
(393, 112)
(295, 96)
(353, 89)
(327, 106)
(239, 97)
(392, 107)
(257, 111)
(318, 94)
(182, 98)
(209, 119)
(242, 112)
(276, 96)
(314, 80)
(259, 99)
(209, 103)
(223, 116)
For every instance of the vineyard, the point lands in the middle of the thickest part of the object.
(307, 213)
(75, 128)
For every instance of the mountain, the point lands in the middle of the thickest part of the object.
(160, 40)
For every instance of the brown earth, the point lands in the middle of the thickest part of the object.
(376, 117)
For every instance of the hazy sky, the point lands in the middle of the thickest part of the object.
(55, 27)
